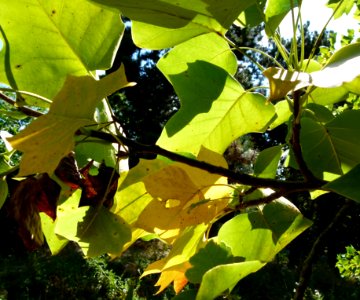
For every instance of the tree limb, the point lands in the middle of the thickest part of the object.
(27, 111)
(283, 187)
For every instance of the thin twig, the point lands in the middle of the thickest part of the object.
(306, 270)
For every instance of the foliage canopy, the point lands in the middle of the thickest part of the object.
(72, 183)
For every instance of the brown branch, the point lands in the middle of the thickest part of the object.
(262, 200)
(27, 111)
(306, 270)
(295, 140)
(277, 185)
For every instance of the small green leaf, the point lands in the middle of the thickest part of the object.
(347, 185)
(275, 12)
(267, 162)
(344, 8)
(224, 278)
(208, 257)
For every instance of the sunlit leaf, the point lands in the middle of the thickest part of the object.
(51, 137)
(3, 191)
(253, 15)
(260, 235)
(214, 110)
(283, 81)
(275, 12)
(267, 162)
(67, 37)
(162, 24)
(340, 69)
(344, 8)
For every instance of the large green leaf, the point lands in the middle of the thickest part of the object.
(51, 137)
(334, 146)
(214, 109)
(162, 24)
(44, 41)
(261, 234)
(97, 231)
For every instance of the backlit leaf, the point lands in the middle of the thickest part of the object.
(275, 12)
(51, 137)
(284, 81)
(267, 162)
(214, 110)
(230, 274)
(261, 234)
(162, 24)
(62, 38)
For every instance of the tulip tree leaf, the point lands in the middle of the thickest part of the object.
(332, 147)
(266, 231)
(213, 110)
(51, 137)
(163, 24)
(62, 38)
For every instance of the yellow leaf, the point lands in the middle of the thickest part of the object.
(176, 275)
(283, 81)
(183, 196)
(49, 138)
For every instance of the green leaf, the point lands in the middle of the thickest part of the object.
(224, 277)
(214, 110)
(275, 12)
(266, 230)
(283, 113)
(163, 24)
(253, 15)
(267, 162)
(186, 295)
(347, 185)
(208, 257)
(67, 37)
(55, 242)
(320, 112)
(96, 231)
(52, 135)
(344, 8)
(333, 147)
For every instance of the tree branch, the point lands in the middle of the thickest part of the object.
(306, 270)
(283, 187)
(27, 111)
